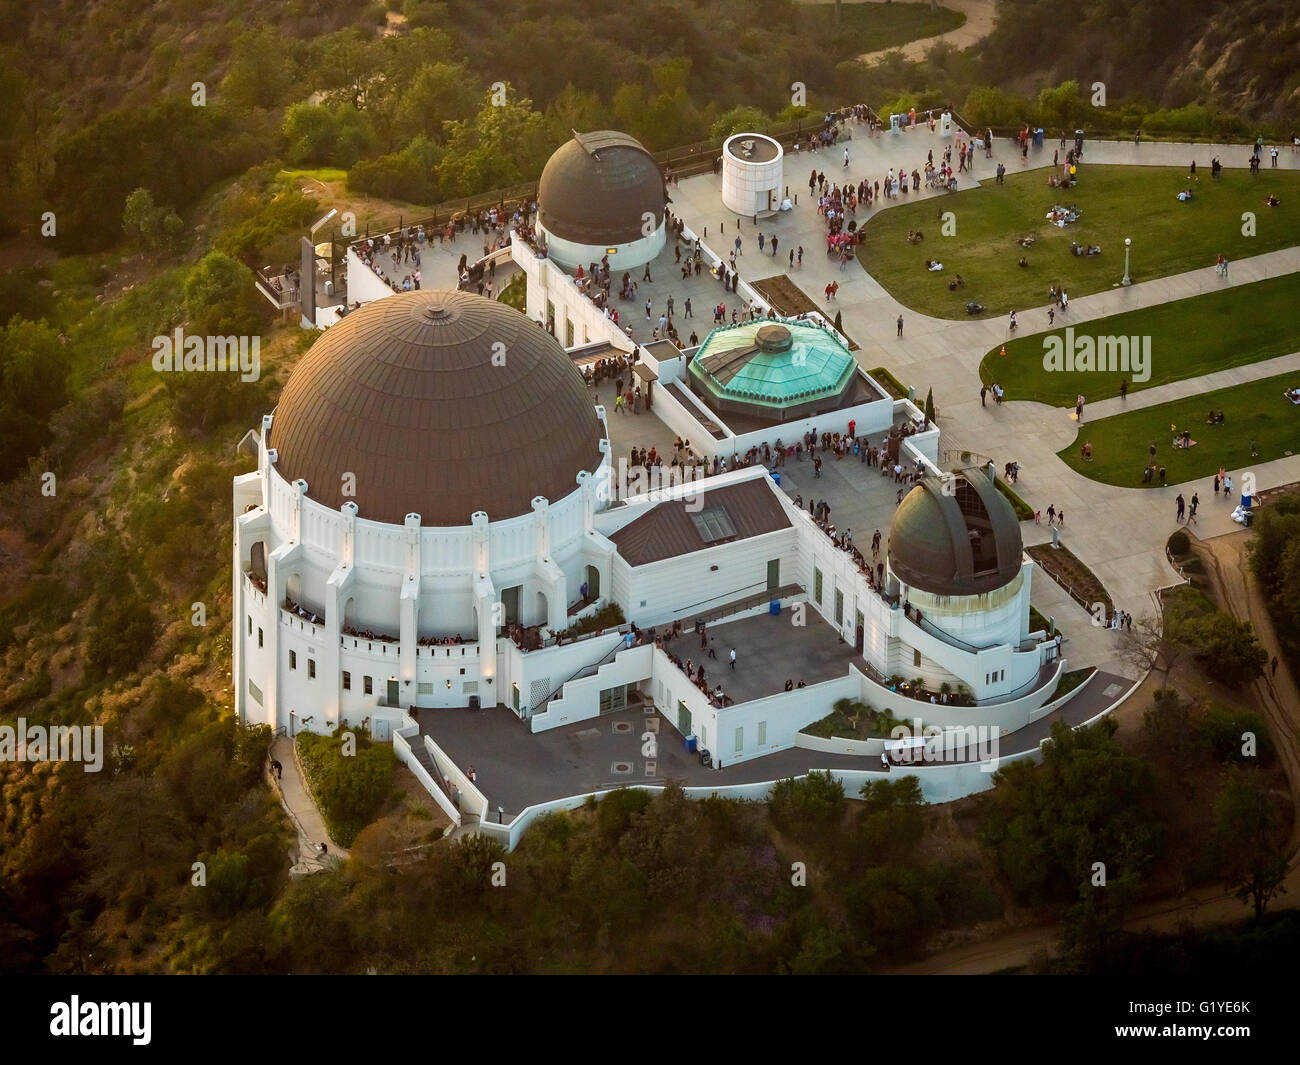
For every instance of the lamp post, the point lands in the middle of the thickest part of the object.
(1126, 279)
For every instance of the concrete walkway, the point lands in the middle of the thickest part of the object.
(1119, 532)
(302, 810)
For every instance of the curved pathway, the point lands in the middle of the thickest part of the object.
(980, 16)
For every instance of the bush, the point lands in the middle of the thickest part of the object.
(815, 801)
(1224, 729)
(616, 810)
(1179, 543)
(349, 789)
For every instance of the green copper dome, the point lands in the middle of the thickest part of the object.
(779, 368)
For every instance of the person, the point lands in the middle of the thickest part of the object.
(1087, 451)
(733, 658)
(1012, 324)
(900, 325)
(278, 769)
(1123, 389)
(1227, 487)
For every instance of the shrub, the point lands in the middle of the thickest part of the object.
(815, 801)
(1224, 728)
(1179, 543)
(351, 789)
(616, 810)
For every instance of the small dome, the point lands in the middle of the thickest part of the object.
(597, 188)
(960, 542)
(439, 404)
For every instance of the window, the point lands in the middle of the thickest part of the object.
(568, 330)
(916, 657)
(817, 585)
(368, 686)
(347, 681)
(839, 607)
(311, 669)
(762, 733)
(293, 659)
(250, 624)
(713, 524)
(259, 636)
(740, 739)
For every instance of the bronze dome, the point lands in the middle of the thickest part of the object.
(440, 404)
(955, 537)
(597, 188)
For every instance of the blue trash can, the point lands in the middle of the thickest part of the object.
(690, 744)
(774, 607)
(776, 476)
(1038, 138)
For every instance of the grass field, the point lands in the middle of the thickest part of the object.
(872, 27)
(1189, 338)
(1169, 236)
(1256, 411)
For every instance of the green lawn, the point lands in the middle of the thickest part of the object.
(1189, 338)
(1169, 236)
(1256, 411)
(873, 27)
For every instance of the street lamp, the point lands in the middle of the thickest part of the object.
(1126, 279)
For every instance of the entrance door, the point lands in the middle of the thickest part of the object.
(683, 719)
(510, 604)
(593, 582)
(392, 691)
(612, 700)
(774, 575)
(861, 631)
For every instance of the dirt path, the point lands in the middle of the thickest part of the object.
(978, 25)
(1228, 563)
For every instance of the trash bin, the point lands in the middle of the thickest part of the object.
(1038, 138)
(776, 476)
(774, 608)
(690, 744)
(895, 123)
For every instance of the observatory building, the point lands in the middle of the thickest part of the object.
(601, 194)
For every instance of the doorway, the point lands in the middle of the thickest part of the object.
(510, 604)
(860, 631)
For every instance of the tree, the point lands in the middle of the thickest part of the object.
(149, 225)
(32, 378)
(500, 146)
(892, 822)
(220, 298)
(1153, 643)
(929, 408)
(815, 801)
(1249, 838)
(738, 120)
(1228, 648)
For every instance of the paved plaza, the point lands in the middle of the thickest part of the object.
(516, 768)
(769, 651)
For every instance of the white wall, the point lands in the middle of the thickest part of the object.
(580, 699)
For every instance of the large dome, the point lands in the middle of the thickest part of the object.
(440, 404)
(956, 537)
(597, 188)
